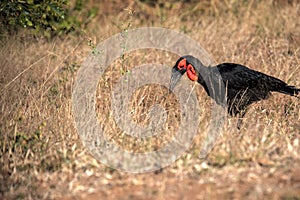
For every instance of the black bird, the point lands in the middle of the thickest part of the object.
(232, 85)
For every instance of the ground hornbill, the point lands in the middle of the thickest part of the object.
(234, 84)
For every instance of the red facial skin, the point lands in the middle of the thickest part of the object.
(190, 71)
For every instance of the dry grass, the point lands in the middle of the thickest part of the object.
(42, 156)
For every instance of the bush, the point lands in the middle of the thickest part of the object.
(50, 17)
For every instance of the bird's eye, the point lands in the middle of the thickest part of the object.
(181, 67)
(182, 64)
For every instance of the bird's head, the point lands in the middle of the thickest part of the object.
(185, 64)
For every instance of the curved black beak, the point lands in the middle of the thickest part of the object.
(175, 77)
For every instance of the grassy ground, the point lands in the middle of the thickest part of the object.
(42, 156)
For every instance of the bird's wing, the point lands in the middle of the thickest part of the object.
(240, 77)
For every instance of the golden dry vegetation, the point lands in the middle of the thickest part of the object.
(42, 156)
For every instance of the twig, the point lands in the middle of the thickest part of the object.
(20, 74)
(57, 67)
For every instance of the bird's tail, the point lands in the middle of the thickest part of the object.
(291, 90)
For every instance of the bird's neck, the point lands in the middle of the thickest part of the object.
(202, 81)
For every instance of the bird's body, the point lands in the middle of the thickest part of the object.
(245, 86)
(238, 85)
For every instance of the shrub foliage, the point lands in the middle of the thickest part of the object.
(46, 16)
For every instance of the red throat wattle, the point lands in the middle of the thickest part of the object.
(191, 73)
